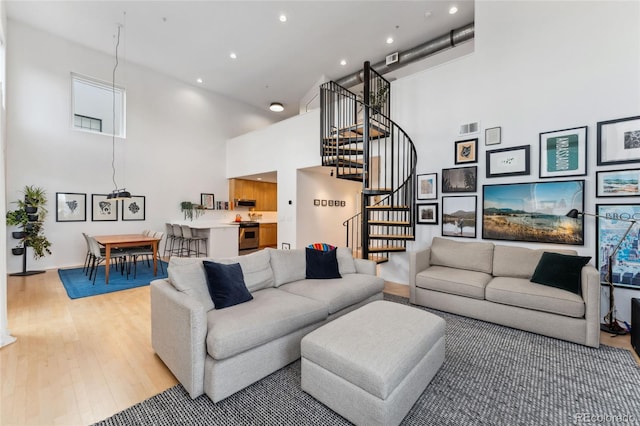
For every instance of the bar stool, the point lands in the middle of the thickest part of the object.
(189, 236)
(168, 244)
(177, 236)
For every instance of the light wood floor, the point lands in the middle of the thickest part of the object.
(79, 361)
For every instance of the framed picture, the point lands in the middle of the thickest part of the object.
(459, 216)
(103, 210)
(461, 179)
(427, 186)
(493, 136)
(208, 201)
(618, 183)
(533, 212)
(508, 161)
(466, 151)
(134, 208)
(619, 141)
(427, 214)
(316, 202)
(330, 203)
(625, 271)
(71, 207)
(563, 153)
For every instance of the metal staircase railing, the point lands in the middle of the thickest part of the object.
(363, 144)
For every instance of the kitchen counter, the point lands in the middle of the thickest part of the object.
(222, 237)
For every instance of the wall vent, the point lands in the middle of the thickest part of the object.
(469, 128)
(392, 59)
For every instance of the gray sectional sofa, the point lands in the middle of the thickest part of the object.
(219, 352)
(491, 282)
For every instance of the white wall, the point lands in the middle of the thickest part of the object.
(174, 150)
(537, 67)
(323, 224)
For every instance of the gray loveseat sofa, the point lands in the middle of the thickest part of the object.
(221, 351)
(491, 282)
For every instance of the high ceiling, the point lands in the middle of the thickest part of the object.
(276, 61)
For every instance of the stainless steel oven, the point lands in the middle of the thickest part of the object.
(248, 236)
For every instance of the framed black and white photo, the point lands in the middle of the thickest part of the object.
(71, 207)
(466, 151)
(459, 216)
(493, 136)
(133, 208)
(208, 201)
(460, 179)
(427, 186)
(102, 209)
(563, 153)
(619, 141)
(618, 183)
(508, 161)
(427, 214)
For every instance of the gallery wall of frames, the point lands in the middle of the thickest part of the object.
(536, 211)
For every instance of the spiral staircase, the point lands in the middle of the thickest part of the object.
(361, 142)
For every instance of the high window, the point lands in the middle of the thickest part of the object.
(97, 106)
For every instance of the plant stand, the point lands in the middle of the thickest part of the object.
(24, 272)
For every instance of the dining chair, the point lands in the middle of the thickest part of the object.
(147, 251)
(98, 256)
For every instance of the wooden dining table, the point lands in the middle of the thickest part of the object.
(127, 240)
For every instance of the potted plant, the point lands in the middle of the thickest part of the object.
(39, 244)
(35, 201)
(187, 208)
(17, 250)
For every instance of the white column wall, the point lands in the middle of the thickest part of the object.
(174, 150)
(537, 67)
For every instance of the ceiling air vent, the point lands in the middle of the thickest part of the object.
(392, 59)
(469, 128)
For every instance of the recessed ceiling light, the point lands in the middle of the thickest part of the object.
(389, 40)
(428, 14)
(259, 178)
(283, 18)
(199, 80)
(276, 107)
(232, 55)
(343, 62)
(453, 10)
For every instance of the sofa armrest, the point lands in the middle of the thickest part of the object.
(418, 262)
(178, 334)
(591, 295)
(365, 266)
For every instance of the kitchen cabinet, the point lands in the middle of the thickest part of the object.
(269, 235)
(265, 193)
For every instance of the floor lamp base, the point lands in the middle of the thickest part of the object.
(613, 328)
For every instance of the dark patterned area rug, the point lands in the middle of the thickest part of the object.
(492, 375)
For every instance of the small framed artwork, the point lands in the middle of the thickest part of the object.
(619, 141)
(563, 153)
(618, 183)
(316, 202)
(102, 209)
(466, 151)
(208, 201)
(626, 269)
(493, 136)
(343, 203)
(459, 216)
(134, 208)
(427, 214)
(286, 246)
(508, 161)
(427, 186)
(461, 179)
(330, 203)
(324, 203)
(71, 207)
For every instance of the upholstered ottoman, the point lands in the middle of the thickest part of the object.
(372, 364)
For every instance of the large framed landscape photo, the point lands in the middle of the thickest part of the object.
(626, 265)
(533, 212)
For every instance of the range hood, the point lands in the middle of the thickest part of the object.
(244, 203)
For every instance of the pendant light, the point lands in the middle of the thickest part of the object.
(116, 194)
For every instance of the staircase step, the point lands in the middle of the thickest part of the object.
(342, 150)
(378, 259)
(351, 159)
(386, 249)
(377, 191)
(405, 237)
(390, 222)
(356, 177)
(343, 139)
(386, 207)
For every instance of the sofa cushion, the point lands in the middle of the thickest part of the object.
(321, 264)
(189, 278)
(346, 262)
(519, 262)
(472, 256)
(287, 265)
(453, 281)
(271, 314)
(338, 294)
(560, 271)
(523, 293)
(256, 269)
(226, 284)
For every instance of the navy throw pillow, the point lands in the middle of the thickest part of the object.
(226, 284)
(322, 265)
(560, 271)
